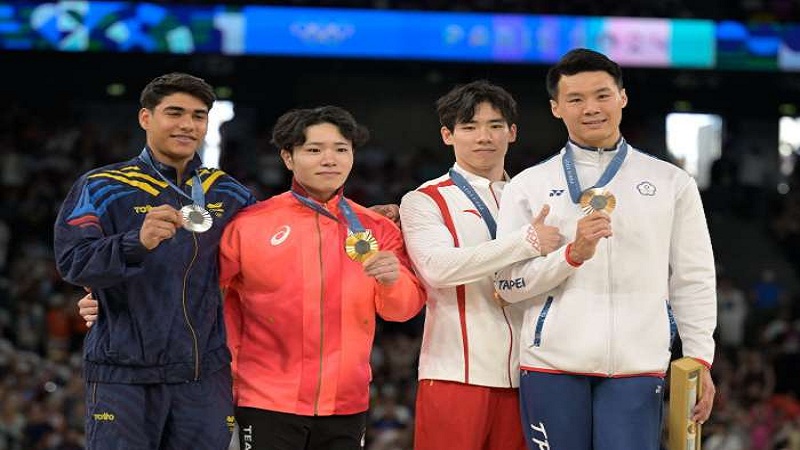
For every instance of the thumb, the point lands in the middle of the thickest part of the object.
(542, 215)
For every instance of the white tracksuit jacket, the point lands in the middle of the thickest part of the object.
(611, 316)
(467, 337)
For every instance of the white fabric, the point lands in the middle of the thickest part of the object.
(492, 332)
(609, 316)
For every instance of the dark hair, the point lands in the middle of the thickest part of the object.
(458, 105)
(290, 128)
(170, 83)
(581, 60)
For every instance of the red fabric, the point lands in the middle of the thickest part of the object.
(452, 415)
(300, 315)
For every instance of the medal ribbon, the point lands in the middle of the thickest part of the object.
(198, 196)
(568, 161)
(353, 224)
(476, 200)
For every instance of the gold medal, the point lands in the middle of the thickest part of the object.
(597, 199)
(196, 218)
(361, 245)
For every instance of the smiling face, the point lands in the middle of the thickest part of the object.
(323, 162)
(481, 143)
(590, 104)
(176, 127)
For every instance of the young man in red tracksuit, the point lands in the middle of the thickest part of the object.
(305, 274)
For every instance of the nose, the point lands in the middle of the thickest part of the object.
(484, 135)
(328, 157)
(186, 122)
(591, 107)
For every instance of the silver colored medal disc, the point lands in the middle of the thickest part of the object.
(196, 218)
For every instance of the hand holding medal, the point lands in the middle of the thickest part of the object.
(159, 224)
(383, 266)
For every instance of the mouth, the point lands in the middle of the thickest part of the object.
(594, 123)
(184, 139)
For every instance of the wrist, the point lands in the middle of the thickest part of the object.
(570, 260)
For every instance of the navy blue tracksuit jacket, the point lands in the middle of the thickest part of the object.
(160, 315)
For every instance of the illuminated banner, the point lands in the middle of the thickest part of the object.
(351, 33)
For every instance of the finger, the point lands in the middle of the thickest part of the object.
(542, 215)
(89, 290)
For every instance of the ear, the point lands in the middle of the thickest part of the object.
(144, 118)
(554, 109)
(624, 97)
(286, 156)
(512, 133)
(447, 135)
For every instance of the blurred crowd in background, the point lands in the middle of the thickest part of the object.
(44, 148)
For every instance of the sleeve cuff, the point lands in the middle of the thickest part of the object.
(132, 249)
(570, 261)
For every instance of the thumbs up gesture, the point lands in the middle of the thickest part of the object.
(542, 237)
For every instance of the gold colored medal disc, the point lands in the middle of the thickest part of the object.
(361, 245)
(597, 199)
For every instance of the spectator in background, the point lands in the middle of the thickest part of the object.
(732, 312)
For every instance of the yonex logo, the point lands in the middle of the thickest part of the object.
(556, 192)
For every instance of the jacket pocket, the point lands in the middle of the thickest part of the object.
(537, 334)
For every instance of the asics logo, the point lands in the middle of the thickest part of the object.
(281, 236)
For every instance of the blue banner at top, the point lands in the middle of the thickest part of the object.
(98, 26)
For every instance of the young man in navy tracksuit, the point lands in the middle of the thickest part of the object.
(143, 235)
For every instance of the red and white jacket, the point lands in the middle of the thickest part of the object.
(468, 338)
(300, 314)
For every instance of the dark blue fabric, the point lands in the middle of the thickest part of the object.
(194, 415)
(160, 315)
(576, 412)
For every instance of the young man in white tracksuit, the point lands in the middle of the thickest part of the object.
(603, 310)
(469, 372)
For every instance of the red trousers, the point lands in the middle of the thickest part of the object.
(452, 415)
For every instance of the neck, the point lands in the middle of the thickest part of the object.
(492, 174)
(178, 164)
(605, 144)
(319, 196)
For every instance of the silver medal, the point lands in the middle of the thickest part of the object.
(196, 218)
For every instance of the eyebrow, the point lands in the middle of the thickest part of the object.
(323, 143)
(181, 109)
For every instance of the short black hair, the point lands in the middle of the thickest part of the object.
(581, 60)
(458, 105)
(290, 128)
(170, 83)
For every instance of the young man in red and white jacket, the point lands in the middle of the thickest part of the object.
(468, 371)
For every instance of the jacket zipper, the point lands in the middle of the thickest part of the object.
(321, 321)
(510, 347)
(186, 310)
(503, 310)
(610, 346)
